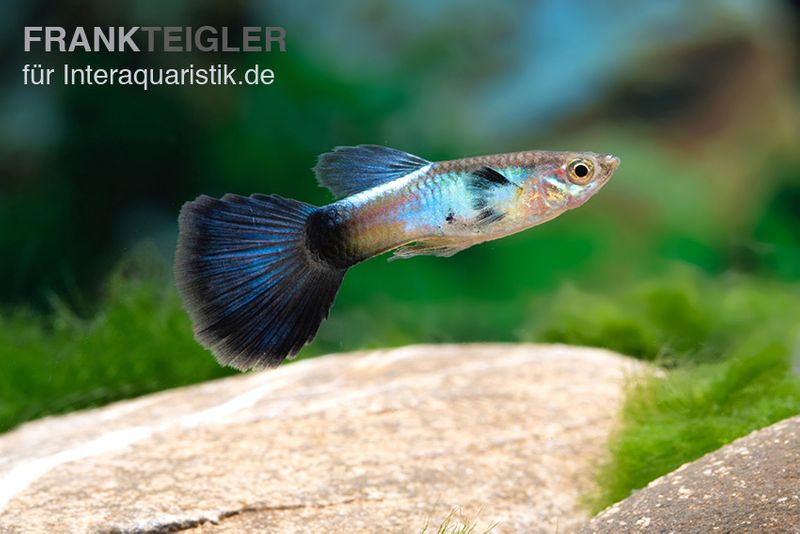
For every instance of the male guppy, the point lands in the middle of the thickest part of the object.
(259, 274)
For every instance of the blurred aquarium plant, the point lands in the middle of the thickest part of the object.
(138, 340)
(689, 258)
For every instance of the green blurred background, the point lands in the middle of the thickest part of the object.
(699, 99)
(700, 102)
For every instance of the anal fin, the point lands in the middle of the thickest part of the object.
(443, 248)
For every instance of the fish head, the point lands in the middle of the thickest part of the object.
(565, 180)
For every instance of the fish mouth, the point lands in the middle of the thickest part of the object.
(609, 163)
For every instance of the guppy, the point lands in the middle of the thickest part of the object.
(259, 274)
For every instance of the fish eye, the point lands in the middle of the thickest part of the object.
(580, 171)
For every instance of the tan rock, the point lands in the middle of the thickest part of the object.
(369, 442)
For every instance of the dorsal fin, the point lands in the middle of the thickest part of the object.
(351, 169)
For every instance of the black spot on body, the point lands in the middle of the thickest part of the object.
(450, 217)
(488, 178)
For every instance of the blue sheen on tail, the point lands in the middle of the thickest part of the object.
(255, 292)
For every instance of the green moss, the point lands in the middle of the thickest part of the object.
(673, 420)
(728, 347)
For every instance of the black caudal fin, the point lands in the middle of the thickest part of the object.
(254, 291)
(351, 169)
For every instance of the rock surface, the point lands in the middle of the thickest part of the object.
(369, 442)
(750, 485)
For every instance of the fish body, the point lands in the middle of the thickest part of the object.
(448, 206)
(259, 274)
